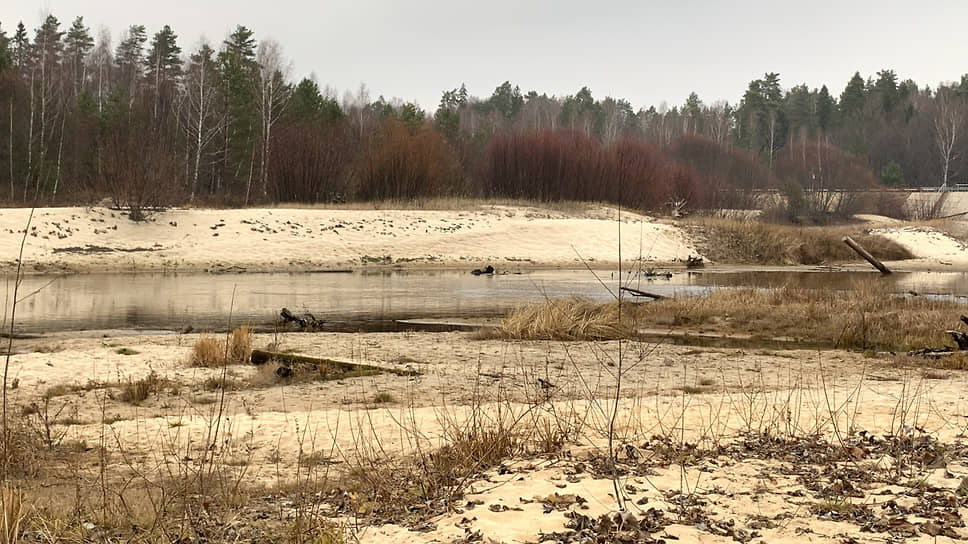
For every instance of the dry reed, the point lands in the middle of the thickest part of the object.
(213, 352)
(755, 242)
(867, 317)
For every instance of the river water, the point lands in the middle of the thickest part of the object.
(371, 300)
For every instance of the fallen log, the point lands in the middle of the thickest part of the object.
(866, 255)
(960, 338)
(637, 293)
(327, 367)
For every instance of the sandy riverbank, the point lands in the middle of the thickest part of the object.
(717, 445)
(98, 239)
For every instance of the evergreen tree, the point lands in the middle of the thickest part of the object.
(507, 100)
(825, 109)
(239, 74)
(447, 117)
(48, 43)
(892, 175)
(79, 43)
(163, 58)
(411, 115)
(21, 46)
(854, 97)
(163, 63)
(799, 109)
(129, 57)
(886, 89)
(306, 101)
(5, 56)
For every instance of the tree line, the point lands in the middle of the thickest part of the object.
(147, 124)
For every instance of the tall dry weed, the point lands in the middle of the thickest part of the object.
(869, 316)
(212, 352)
(13, 511)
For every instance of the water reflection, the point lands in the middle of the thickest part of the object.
(204, 301)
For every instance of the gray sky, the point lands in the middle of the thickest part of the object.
(646, 51)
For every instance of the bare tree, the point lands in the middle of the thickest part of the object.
(948, 119)
(199, 116)
(100, 64)
(718, 121)
(274, 95)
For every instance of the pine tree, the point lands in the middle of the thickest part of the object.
(163, 63)
(5, 58)
(239, 75)
(854, 97)
(825, 109)
(21, 46)
(129, 58)
(886, 89)
(48, 43)
(79, 43)
(306, 102)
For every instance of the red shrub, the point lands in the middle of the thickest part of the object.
(404, 163)
(310, 162)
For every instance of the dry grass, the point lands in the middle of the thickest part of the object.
(388, 487)
(211, 352)
(755, 242)
(137, 391)
(568, 319)
(868, 317)
(13, 512)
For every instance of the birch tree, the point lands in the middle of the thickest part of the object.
(200, 118)
(948, 119)
(100, 65)
(274, 94)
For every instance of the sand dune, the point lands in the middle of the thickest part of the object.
(100, 239)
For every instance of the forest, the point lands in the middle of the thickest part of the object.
(148, 125)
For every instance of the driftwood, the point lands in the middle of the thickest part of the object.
(637, 293)
(329, 367)
(959, 337)
(308, 321)
(931, 353)
(866, 255)
(694, 262)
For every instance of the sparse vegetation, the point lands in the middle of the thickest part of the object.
(756, 242)
(868, 317)
(137, 391)
(383, 398)
(212, 352)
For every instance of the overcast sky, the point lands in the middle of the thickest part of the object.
(646, 51)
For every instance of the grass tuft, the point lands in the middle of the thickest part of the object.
(211, 352)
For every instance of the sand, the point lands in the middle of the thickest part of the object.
(673, 396)
(99, 239)
(929, 245)
(726, 444)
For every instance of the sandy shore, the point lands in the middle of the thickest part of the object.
(675, 398)
(99, 239)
